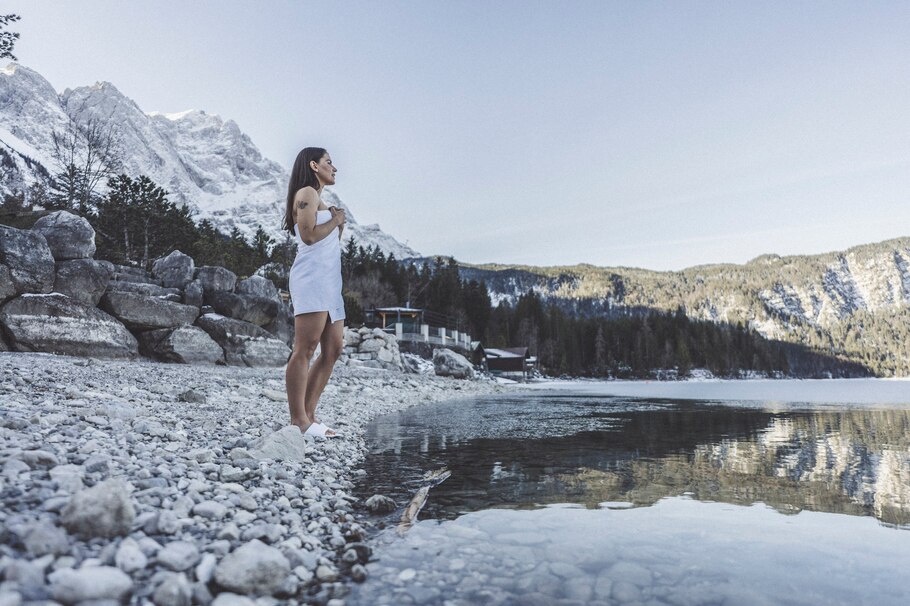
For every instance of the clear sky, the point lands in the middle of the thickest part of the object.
(650, 134)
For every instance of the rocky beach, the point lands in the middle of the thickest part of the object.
(144, 482)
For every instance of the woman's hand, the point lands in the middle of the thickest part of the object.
(339, 217)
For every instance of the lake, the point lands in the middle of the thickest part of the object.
(749, 492)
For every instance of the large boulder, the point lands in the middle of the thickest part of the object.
(125, 273)
(257, 286)
(174, 270)
(84, 280)
(255, 310)
(149, 290)
(68, 236)
(140, 312)
(184, 344)
(448, 363)
(282, 325)
(244, 344)
(7, 288)
(28, 261)
(56, 323)
(216, 278)
(193, 293)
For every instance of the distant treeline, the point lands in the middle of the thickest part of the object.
(632, 346)
(135, 223)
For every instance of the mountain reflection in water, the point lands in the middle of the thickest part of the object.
(531, 450)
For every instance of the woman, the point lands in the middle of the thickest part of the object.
(315, 285)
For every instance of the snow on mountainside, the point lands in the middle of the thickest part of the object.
(204, 161)
(854, 304)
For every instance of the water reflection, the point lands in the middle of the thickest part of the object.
(523, 453)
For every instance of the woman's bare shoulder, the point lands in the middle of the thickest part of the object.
(306, 194)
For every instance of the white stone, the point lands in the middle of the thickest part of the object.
(71, 586)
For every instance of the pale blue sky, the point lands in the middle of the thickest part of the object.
(650, 134)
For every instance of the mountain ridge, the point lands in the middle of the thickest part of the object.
(203, 160)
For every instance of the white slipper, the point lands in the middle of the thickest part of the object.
(326, 429)
(316, 430)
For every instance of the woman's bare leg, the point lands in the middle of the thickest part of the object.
(332, 344)
(308, 329)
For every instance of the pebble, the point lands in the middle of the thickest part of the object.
(181, 482)
(178, 556)
(93, 583)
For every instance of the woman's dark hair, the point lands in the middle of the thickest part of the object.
(301, 176)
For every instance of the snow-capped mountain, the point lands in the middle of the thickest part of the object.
(204, 161)
(853, 304)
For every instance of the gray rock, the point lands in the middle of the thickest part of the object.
(358, 573)
(104, 510)
(244, 343)
(193, 293)
(184, 344)
(257, 286)
(55, 323)
(125, 273)
(210, 510)
(282, 325)
(68, 236)
(28, 578)
(232, 599)
(286, 444)
(175, 270)
(255, 310)
(371, 346)
(149, 290)
(71, 586)
(68, 478)
(38, 458)
(380, 504)
(82, 279)
(254, 568)
(205, 570)
(178, 556)
(28, 261)
(174, 590)
(216, 279)
(97, 463)
(140, 312)
(192, 396)
(7, 288)
(129, 557)
(45, 538)
(447, 363)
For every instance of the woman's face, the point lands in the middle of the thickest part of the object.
(325, 170)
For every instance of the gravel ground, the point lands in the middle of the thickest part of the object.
(140, 482)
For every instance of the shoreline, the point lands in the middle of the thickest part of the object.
(192, 444)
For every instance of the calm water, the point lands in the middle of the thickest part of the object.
(579, 498)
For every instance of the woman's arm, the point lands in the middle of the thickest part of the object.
(307, 203)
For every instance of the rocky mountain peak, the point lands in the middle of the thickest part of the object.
(204, 161)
